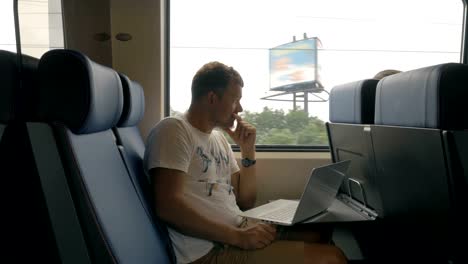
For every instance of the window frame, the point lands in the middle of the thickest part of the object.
(279, 148)
(464, 42)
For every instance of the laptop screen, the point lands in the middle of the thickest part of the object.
(321, 189)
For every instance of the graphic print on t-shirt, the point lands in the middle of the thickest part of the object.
(206, 160)
(213, 176)
(217, 161)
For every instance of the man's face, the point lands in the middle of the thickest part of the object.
(228, 105)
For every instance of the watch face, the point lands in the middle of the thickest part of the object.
(247, 162)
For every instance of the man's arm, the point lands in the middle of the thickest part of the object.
(245, 181)
(245, 184)
(172, 207)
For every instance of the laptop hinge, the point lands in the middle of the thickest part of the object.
(357, 206)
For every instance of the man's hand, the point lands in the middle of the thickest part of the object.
(244, 135)
(255, 236)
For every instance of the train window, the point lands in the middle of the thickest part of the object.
(41, 27)
(7, 26)
(293, 51)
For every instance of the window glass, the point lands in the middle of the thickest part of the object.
(353, 41)
(41, 27)
(7, 26)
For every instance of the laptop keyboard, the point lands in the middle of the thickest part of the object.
(282, 214)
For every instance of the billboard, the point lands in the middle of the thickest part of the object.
(294, 66)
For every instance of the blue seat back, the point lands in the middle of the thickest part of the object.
(24, 209)
(133, 149)
(80, 101)
(351, 110)
(413, 111)
(416, 151)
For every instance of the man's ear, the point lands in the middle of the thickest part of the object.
(212, 97)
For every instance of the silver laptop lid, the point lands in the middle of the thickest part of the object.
(321, 189)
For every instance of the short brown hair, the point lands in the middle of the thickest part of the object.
(385, 73)
(214, 76)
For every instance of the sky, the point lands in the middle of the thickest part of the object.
(360, 38)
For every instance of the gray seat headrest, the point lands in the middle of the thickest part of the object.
(353, 102)
(16, 98)
(134, 103)
(430, 97)
(85, 96)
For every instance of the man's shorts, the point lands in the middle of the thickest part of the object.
(280, 251)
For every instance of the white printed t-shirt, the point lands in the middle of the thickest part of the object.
(209, 162)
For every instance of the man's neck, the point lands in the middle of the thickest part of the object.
(199, 118)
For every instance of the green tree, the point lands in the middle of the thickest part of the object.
(296, 120)
(274, 127)
(265, 121)
(279, 137)
(313, 135)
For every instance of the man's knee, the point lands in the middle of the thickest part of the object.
(324, 254)
(336, 256)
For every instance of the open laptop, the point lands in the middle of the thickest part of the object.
(318, 195)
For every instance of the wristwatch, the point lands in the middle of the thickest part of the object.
(248, 162)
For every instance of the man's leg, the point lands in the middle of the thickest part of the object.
(279, 252)
(290, 248)
(315, 253)
(294, 252)
(316, 238)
